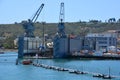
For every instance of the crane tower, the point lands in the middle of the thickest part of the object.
(29, 44)
(61, 26)
(28, 25)
(60, 39)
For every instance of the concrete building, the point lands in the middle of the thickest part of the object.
(99, 41)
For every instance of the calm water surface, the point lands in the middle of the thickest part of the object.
(10, 71)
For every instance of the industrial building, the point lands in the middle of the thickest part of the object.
(100, 41)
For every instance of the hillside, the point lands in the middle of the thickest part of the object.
(11, 31)
(79, 28)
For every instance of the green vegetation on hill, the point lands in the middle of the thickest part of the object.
(78, 28)
(11, 31)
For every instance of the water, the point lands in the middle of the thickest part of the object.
(10, 71)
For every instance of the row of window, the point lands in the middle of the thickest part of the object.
(101, 38)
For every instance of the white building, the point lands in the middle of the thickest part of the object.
(100, 41)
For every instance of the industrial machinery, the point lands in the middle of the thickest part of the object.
(61, 26)
(28, 26)
(29, 44)
(63, 45)
(60, 38)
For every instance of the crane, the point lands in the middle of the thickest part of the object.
(61, 26)
(28, 25)
(60, 39)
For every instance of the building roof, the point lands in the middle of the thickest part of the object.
(101, 35)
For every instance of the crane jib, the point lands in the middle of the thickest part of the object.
(37, 13)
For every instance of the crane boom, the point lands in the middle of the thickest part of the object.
(61, 16)
(37, 13)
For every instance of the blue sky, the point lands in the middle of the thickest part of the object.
(17, 10)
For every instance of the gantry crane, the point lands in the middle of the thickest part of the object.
(28, 25)
(61, 26)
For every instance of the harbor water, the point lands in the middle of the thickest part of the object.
(10, 71)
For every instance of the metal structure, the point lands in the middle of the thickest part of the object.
(28, 25)
(60, 38)
(61, 26)
(28, 44)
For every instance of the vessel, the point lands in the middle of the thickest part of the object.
(26, 62)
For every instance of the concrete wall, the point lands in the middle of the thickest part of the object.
(63, 46)
(66, 46)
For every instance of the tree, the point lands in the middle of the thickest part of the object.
(9, 43)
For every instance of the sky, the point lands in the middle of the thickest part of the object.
(12, 11)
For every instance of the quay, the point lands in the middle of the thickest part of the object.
(94, 57)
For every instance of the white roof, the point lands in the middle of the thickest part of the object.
(101, 35)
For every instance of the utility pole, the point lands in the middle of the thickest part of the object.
(43, 44)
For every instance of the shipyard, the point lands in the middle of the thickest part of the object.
(63, 45)
(44, 41)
